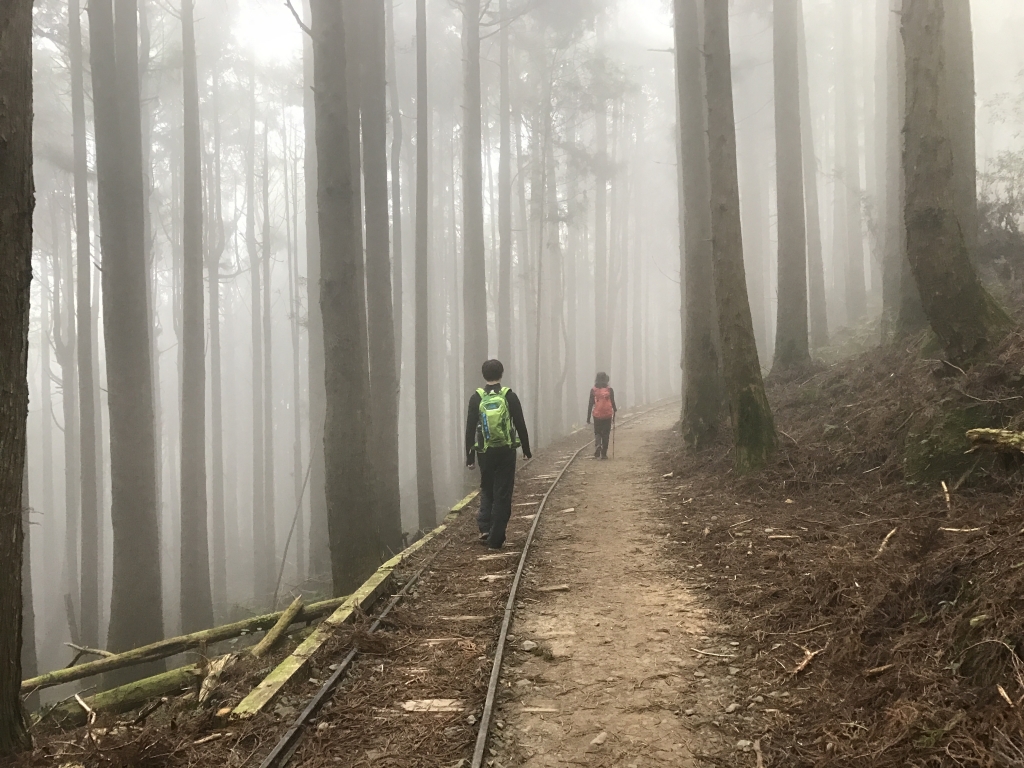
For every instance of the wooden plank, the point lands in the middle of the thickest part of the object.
(362, 600)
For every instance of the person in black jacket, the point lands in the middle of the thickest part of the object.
(497, 461)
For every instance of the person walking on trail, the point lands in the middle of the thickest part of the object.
(602, 409)
(495, 428)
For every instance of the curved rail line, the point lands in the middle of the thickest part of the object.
(285, 749)
(492, 688)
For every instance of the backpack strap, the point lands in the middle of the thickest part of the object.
(480, 391)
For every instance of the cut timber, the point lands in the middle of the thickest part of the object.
(433, 705)
(362, 600)
(173, 646)
(554, 588)
(996, 440)
(274, 635)
(127, 697)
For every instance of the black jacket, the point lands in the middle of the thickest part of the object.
(590, 408)
(515, 409)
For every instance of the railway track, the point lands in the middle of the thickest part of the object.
(285, 749)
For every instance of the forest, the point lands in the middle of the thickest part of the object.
(253, 254)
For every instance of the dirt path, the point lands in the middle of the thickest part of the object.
(602, 672)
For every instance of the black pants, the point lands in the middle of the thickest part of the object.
(497, 481)
(602, 436)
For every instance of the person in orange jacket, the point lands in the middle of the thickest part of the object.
(602, 409)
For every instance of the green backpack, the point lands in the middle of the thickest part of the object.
(495, 428)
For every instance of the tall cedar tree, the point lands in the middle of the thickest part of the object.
(222, 539)
(427, 507)
(752, 422)
(703, 386)
(270, 519)
(791, 336)
(319, 541)
(957, 88)
(381, 326)
(846, 92)
(602, 350)
(354, 548)
(136, 606)
(17, 201)
(961, 312)
(261, 564)
(397, 139)
(815, 263)
(504, 191)
(474, 281)
(89, 603)
(196, 593)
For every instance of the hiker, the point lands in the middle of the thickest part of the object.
(495, 428)
(603, 409)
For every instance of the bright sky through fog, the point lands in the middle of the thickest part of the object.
(268, 29)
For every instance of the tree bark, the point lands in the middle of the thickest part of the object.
(269, 497)
(397, 138)
(815, 260)
(196, 592)
(855, 291)
(956, 91)
(319, 547)
(221, 534)
(474, 280)
(602, 347)
(16, 204)
(752, 421)
(381, 325)
(791, 336)
(961, 312)
(504, 192)
(136, 606)
(701, 370)
(354, 545)
(89, 579)
(261, 564)
(427, 507)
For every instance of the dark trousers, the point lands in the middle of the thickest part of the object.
(497, 481)
(602, 436)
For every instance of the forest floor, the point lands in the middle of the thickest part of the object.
(842, 607)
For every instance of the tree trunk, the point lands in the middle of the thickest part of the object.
(855, 290)
(295, 322)
(29, 658)
(961, 312)
(397, 137)
(16, 203)
(261, 565)
(354, 546)
(957, 89)
(815, 260)
(196, 594)
(319, 547)
(270, 515)
(752, 421)
(381, 325)
(63, 341)
(602, 346)
(474, 281)
(504, 192)
(136, 606)
(427, 515)
(791, 335)
(89, 603)
(702, 387)
(221, 534)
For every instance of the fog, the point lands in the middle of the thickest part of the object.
(585, 276)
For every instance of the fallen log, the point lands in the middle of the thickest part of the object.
(173, 646)
(1002, 440)
(362, 600)
(270, 639)
(125, 698)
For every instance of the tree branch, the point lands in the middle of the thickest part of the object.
(298, 19)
